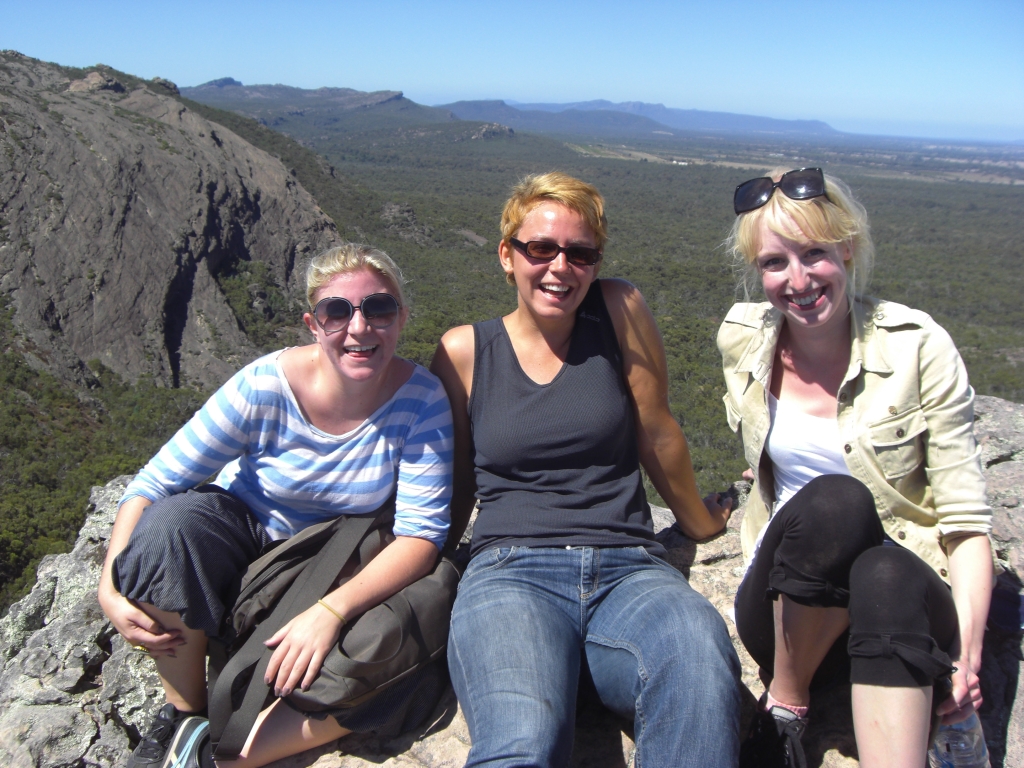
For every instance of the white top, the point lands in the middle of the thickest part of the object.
(801, 447)
(293, 475)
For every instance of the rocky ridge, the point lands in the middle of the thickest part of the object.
(119, 207)
(308, 113)
(74, 694)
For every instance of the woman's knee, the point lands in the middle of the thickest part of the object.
(892, 589)
(186, 555)
(825, 528)
(836, 507)
(902, 620)
(517, 692)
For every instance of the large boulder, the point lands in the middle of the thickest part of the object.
(73, 693)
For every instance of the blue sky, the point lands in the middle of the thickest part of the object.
(941, 69)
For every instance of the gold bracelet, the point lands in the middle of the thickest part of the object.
(341, 618)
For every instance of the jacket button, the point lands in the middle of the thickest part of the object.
(848, 448)
(901, 535)
(942, 572)
(879, 315)
(892, 410)
(843, 397)
(900, 432)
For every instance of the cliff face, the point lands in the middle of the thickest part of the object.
(73, 693)
(118, 208)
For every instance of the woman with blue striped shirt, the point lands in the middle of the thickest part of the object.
(297, 437)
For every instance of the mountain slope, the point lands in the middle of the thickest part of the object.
(120, 209)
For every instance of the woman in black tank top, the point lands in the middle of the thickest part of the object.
(555, 407)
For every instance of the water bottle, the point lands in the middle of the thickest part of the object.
(961, 745)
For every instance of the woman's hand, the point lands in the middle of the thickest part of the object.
(302, 645)
(719, 506)
(138, 627)
(130, 621)
(965, 697)
(304, 642)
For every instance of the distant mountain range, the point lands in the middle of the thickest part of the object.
(280, 105)
(691, 119)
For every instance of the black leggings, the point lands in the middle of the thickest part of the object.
(826, 548)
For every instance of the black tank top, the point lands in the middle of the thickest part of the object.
(557, 464)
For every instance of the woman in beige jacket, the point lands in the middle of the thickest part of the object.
(866, 533)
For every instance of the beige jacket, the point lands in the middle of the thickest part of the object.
(905, 416)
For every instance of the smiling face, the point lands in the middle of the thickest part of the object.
(805, 280)
(550, 289)
(359, 352)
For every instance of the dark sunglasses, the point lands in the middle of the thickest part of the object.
(380, 310)
(543, 250)
(801, 184)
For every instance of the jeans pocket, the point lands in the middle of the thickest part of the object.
(492, 559)
(653, 559)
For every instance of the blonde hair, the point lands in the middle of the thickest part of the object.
(836, 218)
(554, 187)
(351, 257)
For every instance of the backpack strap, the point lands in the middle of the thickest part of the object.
(229, 728)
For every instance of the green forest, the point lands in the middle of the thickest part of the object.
(951, 248)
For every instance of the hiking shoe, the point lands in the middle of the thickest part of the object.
(152, 750)
(188, 744)
(774, 740)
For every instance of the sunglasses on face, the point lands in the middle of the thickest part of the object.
(544, 250)
(379, 310)
(801, 184)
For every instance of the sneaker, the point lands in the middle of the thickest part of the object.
(187, 746)
(152, 750)
(774, 740)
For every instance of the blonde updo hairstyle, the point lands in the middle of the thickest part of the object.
(553, 187)
(836, 218)
(347, 258)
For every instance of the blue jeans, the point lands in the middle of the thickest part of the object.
(657, 650)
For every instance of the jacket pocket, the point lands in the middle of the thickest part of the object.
(732, 414)
(899, 443)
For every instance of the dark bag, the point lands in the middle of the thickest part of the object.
(377, 649)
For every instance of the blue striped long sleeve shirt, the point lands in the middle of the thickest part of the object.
(293, 475)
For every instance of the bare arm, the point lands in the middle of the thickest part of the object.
(453, 365)
(664, 452)
(304, 642)
(970, 575)
(131, 622)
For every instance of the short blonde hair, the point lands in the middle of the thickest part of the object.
(836, 218)
(351, 257)
(554, 187)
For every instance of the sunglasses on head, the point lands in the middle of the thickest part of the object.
(801, 184)
(544, 250)
(379, 310)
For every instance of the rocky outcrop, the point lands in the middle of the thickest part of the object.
(73, 693)
(119, 207)
(400, 220)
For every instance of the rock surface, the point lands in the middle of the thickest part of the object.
(72, 693)
(118, 208)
